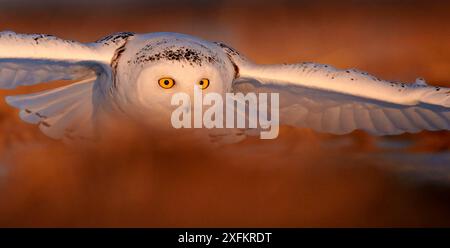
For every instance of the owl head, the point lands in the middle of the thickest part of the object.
(153, 68)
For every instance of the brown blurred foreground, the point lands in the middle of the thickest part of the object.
(143, 179)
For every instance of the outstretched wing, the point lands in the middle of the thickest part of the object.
(44, 46)
(64, 112)
(24, 72)
(340, 101)
(61, 113)
(27, 59)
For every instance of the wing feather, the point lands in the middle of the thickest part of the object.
(65, 112)
(44, 46)
(338, 113)
(339, 101)
(349, 82)
(347, 119)
(23, 72)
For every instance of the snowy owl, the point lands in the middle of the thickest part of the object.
(134, 75)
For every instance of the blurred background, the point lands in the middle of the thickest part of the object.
(137, 178)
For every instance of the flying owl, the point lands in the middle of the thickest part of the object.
(135, 75)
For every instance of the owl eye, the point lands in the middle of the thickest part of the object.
(204, 83)
(166, 83)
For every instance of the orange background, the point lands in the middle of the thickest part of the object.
(138, 178)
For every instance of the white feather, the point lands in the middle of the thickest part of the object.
(42, 46)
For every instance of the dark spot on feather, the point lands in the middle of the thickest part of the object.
(45, 124)
(40, 116)
(229, 50)
(115, 60)
(38, 37)
(115, 38)
(181, 54)
(236, 69)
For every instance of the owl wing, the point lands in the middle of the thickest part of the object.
(339, 101)
(23, 72)
(64, 112)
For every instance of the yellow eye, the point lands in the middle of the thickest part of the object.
(204, 83)
(166, 83)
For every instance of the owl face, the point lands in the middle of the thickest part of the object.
(157, 83)
(152, 71)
